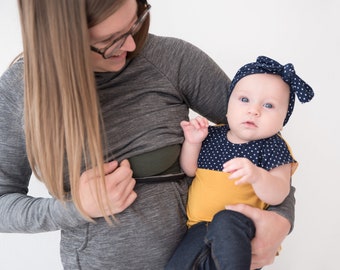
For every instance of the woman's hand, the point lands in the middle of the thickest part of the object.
(119, 186)
(271, 230)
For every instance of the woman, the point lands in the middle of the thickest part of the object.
(98, 123)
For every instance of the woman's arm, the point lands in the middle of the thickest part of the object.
(19, 212)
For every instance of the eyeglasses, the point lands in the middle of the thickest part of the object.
(117, 43)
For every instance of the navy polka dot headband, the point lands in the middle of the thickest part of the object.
(264, 64)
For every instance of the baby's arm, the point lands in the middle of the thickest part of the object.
(195, 132)
(271, 186)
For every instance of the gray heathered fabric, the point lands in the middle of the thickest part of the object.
(142, 106)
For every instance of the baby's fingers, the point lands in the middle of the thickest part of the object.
(202, 121)
(185, 123)
(229, 167)
(239, 181)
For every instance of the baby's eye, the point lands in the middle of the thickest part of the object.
(268, 105)
(244, 99)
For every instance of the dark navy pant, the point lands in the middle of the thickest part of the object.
(224, 243)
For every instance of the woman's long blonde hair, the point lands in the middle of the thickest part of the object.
(63, 123)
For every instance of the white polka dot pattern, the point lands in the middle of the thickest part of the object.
(266, 153)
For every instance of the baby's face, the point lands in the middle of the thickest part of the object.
(257, 107)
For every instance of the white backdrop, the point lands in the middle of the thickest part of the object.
(233, 33)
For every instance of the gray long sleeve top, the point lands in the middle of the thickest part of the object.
(19, 212)
(142, 107)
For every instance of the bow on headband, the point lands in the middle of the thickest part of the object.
(297, 86)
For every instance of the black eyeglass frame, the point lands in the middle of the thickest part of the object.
(122, 39)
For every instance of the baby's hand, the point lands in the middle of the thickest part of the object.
(243, 169)
(196, 130)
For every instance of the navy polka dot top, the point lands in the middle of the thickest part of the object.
(266, 153)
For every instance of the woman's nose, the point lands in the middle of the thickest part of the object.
(129, 45)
